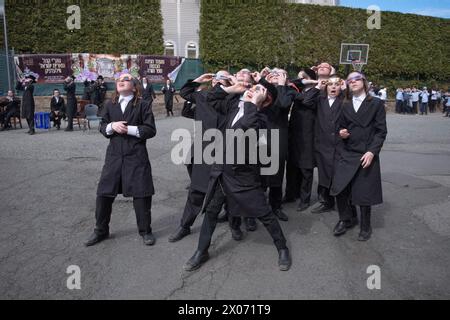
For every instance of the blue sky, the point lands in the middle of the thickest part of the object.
(435, 8)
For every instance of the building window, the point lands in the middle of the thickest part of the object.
(191, 50)
(169, 48)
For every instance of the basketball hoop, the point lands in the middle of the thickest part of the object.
(357, 65)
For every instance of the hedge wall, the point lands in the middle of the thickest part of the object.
(257, 33)
(36, 26)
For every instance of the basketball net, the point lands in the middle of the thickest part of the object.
(357, 65)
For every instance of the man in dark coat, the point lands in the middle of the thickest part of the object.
(301, 160)
(57, 108)
(357, 176)
(169, 91)
(148, 93)
(326, 139)
(241, 183)
(27, 100)
(205, 114)
(71, 107)
(278, 119)
(128, 122)
(11, 106)
(99, 92)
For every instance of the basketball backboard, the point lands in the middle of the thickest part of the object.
(354, 51)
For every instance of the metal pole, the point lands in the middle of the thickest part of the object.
(3, 11)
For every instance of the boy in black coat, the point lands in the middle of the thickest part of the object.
(128, 122)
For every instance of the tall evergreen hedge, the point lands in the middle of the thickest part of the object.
(114, 26)
(257, 33)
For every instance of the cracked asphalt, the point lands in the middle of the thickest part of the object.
(47, 201)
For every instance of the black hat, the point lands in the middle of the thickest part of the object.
(311, 73)
(100, 78)
(73, 77)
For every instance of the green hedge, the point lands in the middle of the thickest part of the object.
(106, 26)
(260, 33)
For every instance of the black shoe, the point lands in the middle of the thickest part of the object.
(322, 209)
(237, 234)
(179, 234)
(95, 238)
(196, 261)
(68, 129)
(149, 239)
(284, 259)
(302, 206)
(364, 235)
(250, 224)
(32, 132)
(58, 127)
(281, 215)
(343, 226)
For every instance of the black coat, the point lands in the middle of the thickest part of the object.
(12, 107)
(278, 119)
(58, 106)
(27, 100)
(368, 131)
(301, 129)
(168, 96)
(148, 94)
(127, 168)
(326, 137)
(98, 93)
(241, 182)
(200, 110)
(71, 107)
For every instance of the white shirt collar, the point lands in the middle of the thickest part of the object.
(124, 100)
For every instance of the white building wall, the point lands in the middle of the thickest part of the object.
(181, 21)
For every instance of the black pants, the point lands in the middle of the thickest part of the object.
(293, 175)
(415, 106)
(275, 197)
(169, 111)
(192, 208)
(55, 118)
(324, 193)
(30, 122)
(307, 176)
(347, 211)
(142, 208)
(210, 221)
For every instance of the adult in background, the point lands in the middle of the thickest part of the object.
(399, 101)
(28, 105)
(169, 91)
(424, 95)
(11, 106)
(415, 99)
(99, 92)
(57, 108)
(148, 93)
(71, 107)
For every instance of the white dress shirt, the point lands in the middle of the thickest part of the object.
(240, 113)
(331, 100)
(357, 101)
(132, 130)
(145, 86)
